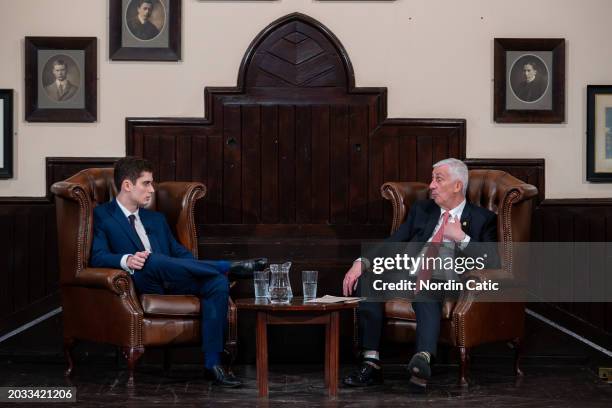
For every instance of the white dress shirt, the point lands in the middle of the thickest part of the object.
(142, 234)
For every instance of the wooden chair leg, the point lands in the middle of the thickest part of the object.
(132, 355)
(69, 343)
(464, 362)
(517, 345)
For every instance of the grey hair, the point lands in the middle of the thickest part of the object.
(458, 171)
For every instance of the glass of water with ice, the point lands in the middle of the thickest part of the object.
(309, 284)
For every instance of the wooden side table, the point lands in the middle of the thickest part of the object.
(297, 312)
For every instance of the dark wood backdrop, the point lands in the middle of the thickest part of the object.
(293, 158)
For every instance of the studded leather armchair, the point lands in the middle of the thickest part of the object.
(468, 322)
(101, 304)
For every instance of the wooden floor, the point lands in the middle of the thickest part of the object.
(559, 372)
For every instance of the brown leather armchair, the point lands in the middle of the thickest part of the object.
(468, 322)
(101, 304)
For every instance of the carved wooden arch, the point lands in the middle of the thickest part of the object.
(294, 155)
(296, 51)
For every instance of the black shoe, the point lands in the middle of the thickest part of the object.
(419, 366)
(221, 377)
(417, 385)
(244, 269)
(366, 375)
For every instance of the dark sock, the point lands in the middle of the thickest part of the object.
(212, 359)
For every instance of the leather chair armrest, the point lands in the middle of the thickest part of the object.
(68, 190)
(115, 280)
(526, 192)
(177, 201)
(402, 194)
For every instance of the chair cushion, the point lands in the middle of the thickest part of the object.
(170, 305)
(402, 309)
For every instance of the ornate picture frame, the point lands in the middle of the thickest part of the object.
(599, 133)
(145, 30)
(6, 126)
(61, 79)
(529, 80)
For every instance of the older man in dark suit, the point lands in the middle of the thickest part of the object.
(445, 218)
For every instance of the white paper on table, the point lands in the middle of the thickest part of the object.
(334, 299)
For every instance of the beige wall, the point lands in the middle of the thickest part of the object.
(435, 57)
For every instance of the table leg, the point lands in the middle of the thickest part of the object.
(262, 353)
(327, 349)
(334, 339)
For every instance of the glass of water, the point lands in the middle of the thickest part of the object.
(309, 284)
(261, 280)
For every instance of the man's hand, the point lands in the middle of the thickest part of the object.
(137, 260)
(349, 284)
(453, 231)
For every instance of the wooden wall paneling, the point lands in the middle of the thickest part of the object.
(425, 158)
(286, 164)
(150, 149)
(166, 156)
(376, 204)
(184, 158)
(251, 164)
(321, 169)
(232, 165)
(7, 265)
(36, 255)
(339, 157)
(270, 199)
(21, 259)
(214, 181)
(303, 164)
(359, 155)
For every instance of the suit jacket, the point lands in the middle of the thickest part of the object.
(115, 237)
(146, 31)
(53, 91)
(477, 222)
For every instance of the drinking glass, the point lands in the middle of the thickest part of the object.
(309, 284)
(261, 281)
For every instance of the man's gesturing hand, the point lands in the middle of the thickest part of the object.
(453, 231)
(350, 279)
(137, 260)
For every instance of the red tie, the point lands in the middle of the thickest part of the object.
(432, 250)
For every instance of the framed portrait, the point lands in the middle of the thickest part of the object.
(599, 133)
(6, 124)
(145, 30)
(529, 80)
(61, 79)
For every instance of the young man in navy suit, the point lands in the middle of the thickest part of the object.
(444, 218)
(130, 237)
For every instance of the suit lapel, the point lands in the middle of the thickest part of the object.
(432, 220)
(466, 218)
(124, 224)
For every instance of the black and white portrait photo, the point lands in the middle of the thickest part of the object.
(61, 78)
(529, 78)
(145, 19)
(145, 30)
